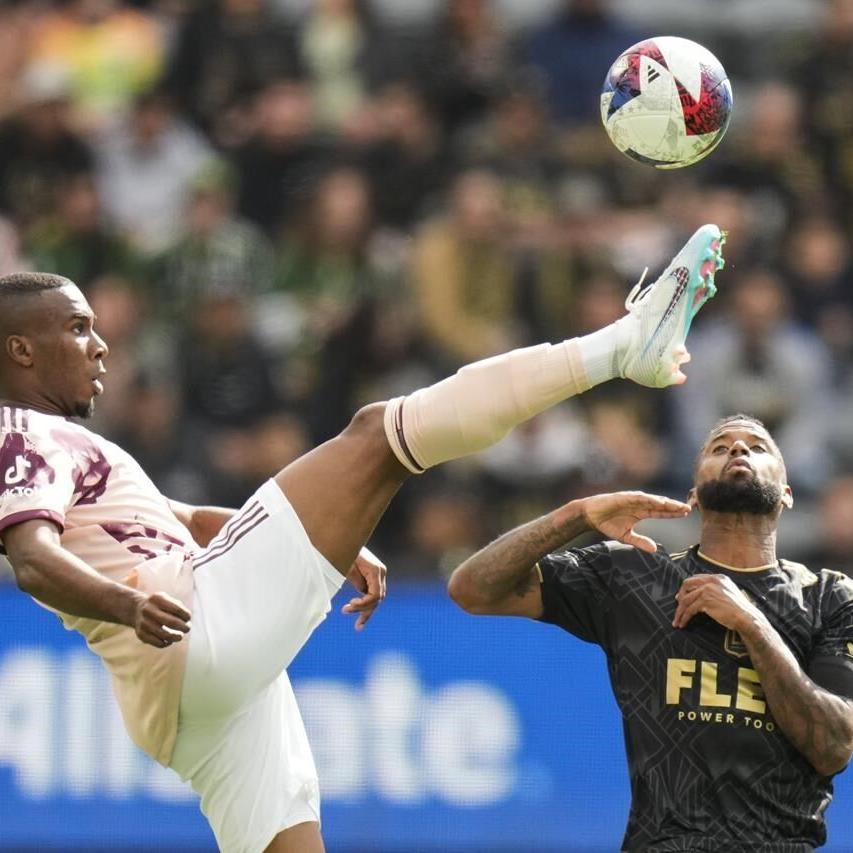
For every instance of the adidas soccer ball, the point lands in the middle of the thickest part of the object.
(666, 102)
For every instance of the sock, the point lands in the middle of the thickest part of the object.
(483, 401)
(601, 353)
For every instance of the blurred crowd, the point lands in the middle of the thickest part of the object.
(280, 211)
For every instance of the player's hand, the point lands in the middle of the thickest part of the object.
(716, 595)
(615, 515)
(367, 575)
(160, 620)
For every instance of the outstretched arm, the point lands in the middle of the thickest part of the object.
(817, 722)
(53, 575)
(502, 578)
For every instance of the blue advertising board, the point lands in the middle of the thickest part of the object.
(432, 731)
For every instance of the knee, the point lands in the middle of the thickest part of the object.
(367, 427)
(368, 424)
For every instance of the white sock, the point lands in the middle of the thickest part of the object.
(602, 352)
(483, 401)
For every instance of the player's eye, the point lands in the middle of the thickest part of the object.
(758, 448)
(719, 448)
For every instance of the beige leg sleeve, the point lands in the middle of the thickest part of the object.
(481, 403)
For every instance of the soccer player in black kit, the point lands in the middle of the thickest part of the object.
(733, 668)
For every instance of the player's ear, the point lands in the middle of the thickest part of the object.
(692, 500)
(20, 349)
(787, 497)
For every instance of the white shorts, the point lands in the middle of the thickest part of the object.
(260, 590)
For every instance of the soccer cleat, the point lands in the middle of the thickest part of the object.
(659, 315)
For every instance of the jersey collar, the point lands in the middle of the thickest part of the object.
(748, 570)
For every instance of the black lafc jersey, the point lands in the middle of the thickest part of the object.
(710, 768)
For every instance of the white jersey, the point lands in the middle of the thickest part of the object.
(115, 519)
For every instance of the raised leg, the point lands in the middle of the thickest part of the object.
(340, 489)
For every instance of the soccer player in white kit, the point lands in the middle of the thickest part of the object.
(90, 536)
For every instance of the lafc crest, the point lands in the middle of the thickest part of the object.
(732, 642)
(734, 645)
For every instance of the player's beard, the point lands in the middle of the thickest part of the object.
(740, 496)
(85, 410)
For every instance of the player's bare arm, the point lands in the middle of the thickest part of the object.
(502, 578)
(817, 722)
(53, 575)
(203, 522)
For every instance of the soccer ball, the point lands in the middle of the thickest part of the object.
(666, 102)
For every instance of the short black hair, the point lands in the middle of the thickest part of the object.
(740, 416)
(17, 289)
(25, 283)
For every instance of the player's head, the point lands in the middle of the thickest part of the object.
(52, 356)
(740, 470)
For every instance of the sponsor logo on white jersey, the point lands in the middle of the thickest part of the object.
(18, 472)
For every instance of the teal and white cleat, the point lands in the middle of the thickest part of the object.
(659, 315)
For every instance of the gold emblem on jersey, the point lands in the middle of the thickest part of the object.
(734, 645)
(732, 642)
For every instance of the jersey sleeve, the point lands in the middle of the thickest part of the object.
(36, 480)
(830, 664)
(576, 591)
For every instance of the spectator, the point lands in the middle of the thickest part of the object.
(820, 63)
(447, 524)
(38, 146)
(756, 359)
(517, 142)
(341, 51)
(819, 268)
(573, 53)
(769, 159)
(17, 22)
(463, 273)
(464, 62)
(227, 378)
(151, 426)
(110, 51)
(77, 241)
(406, 157)
(327, 262)
(280, 163)
(218, 251)
(834, 518)
(225, 52)
(325, 256)
(146, 164)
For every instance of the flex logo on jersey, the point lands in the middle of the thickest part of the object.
(686, 674)
(18, 473)
(695, 685)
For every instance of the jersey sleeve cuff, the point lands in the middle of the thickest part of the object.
(30, 515)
